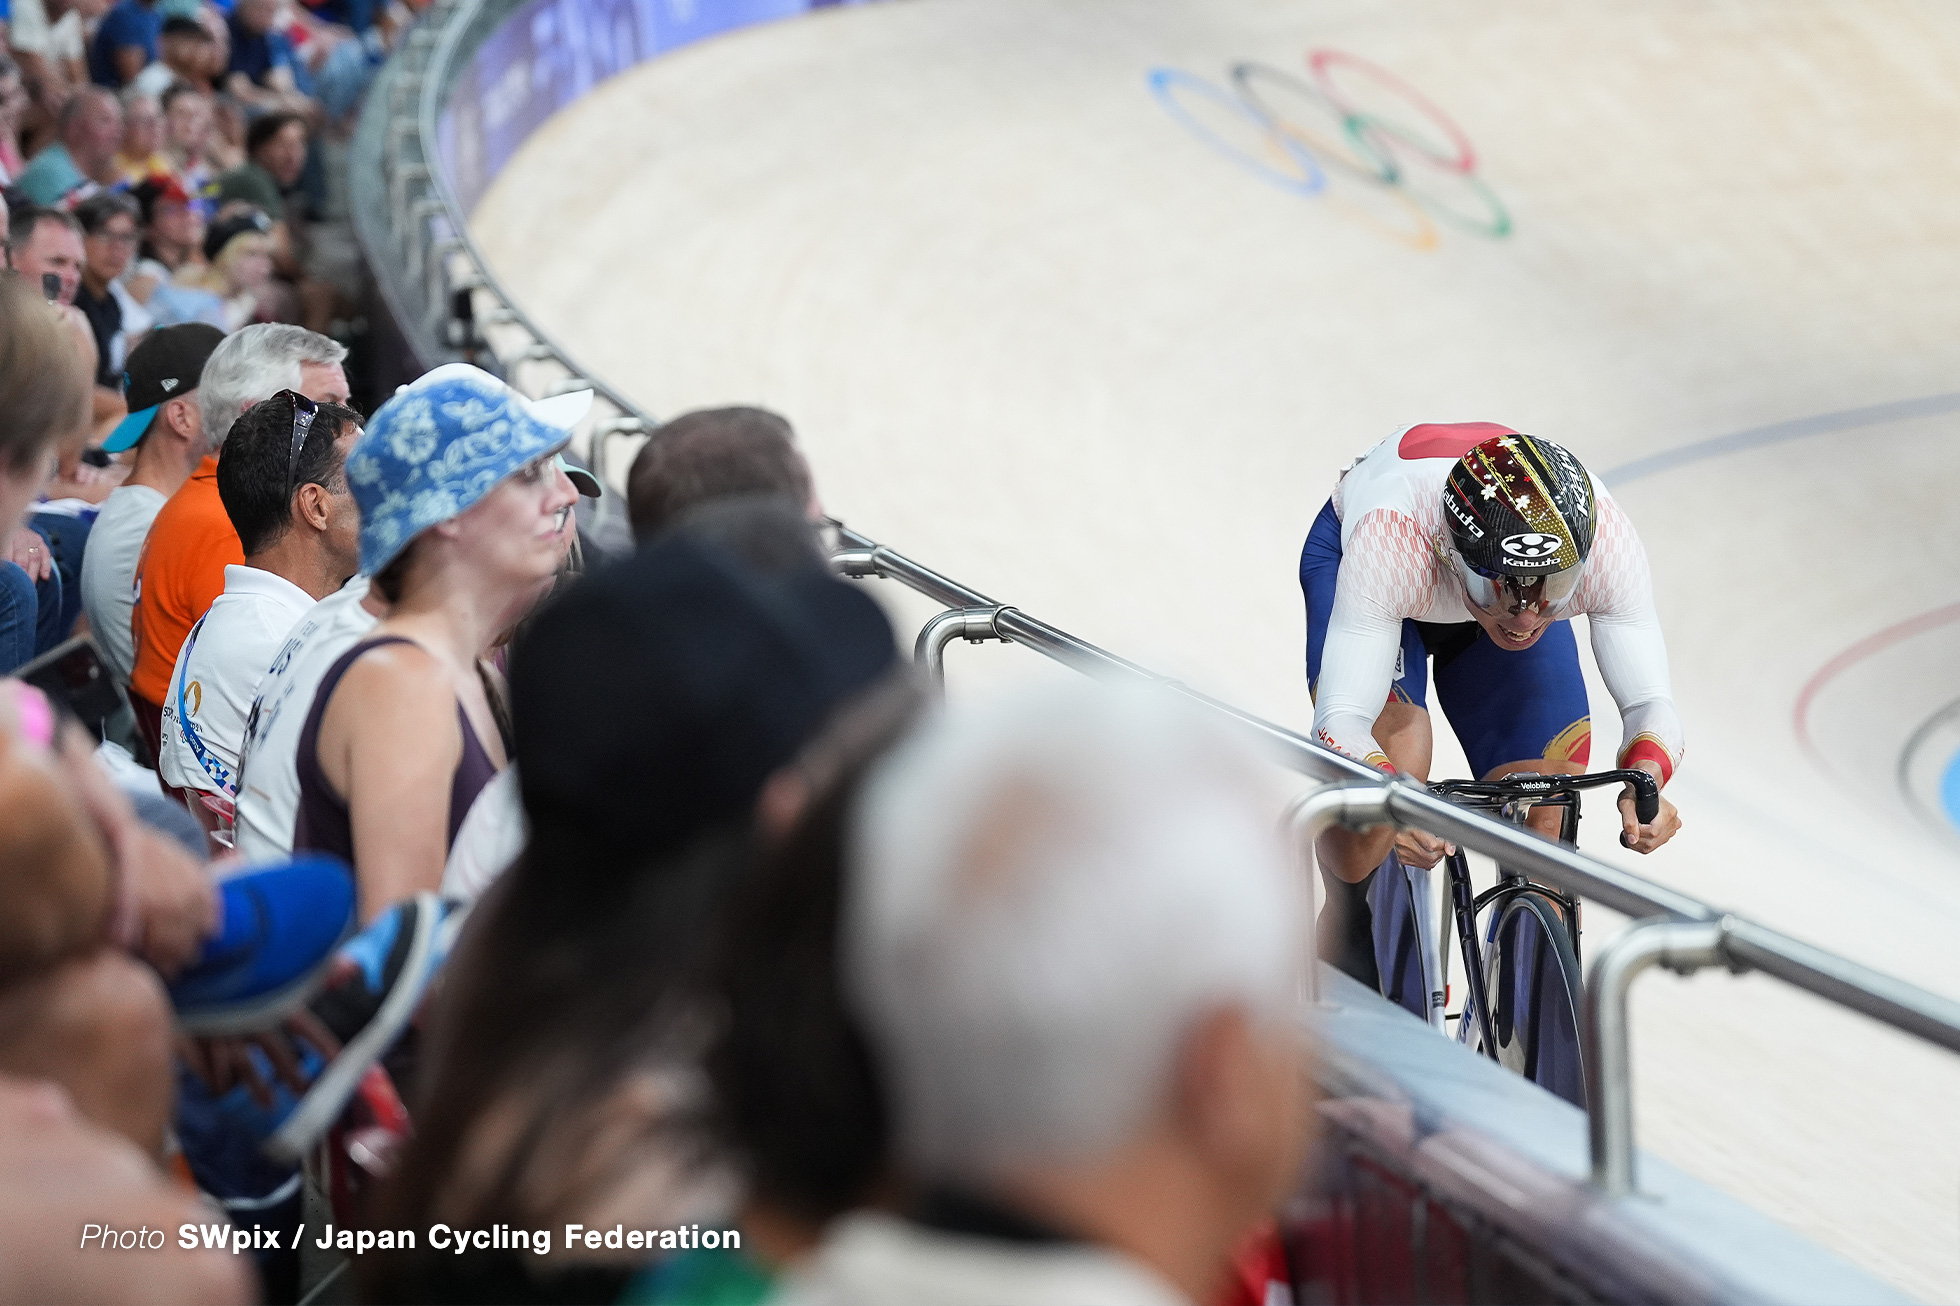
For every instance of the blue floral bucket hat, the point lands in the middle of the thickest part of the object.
(436, 448)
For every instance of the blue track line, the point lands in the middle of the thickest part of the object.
(1849, 419)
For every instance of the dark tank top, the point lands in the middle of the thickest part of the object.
(322, 823)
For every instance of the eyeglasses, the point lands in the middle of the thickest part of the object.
(304, 411)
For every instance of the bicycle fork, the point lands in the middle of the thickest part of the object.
(1464, 907)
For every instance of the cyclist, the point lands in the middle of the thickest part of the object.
(1473, 544)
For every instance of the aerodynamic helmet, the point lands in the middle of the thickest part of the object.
(1520, 514)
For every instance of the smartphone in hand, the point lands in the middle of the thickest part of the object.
(51, 286)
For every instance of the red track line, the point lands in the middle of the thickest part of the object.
(1857, 653)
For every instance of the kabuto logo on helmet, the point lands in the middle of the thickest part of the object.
(1516, 505)
(1531, 544)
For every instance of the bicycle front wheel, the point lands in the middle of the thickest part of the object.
(1533, 981)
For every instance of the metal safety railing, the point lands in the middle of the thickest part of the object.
(456, 300)
(1671, 929)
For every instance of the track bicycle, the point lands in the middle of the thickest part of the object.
(1522, 971)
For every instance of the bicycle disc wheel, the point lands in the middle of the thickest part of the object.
(1533, 982)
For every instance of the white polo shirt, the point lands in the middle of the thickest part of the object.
(268, 800)
(217, 676)
(115, 545)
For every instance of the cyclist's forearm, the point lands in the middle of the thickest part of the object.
(1633, 661)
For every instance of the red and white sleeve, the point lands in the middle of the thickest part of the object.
(1388, 572)
(1618, 597)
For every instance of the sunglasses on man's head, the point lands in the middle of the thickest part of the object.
(304, 411)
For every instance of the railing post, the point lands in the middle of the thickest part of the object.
(1681, 946)
(972, 624)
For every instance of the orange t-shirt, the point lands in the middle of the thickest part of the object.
(181, 572)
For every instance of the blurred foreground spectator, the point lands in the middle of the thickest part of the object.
(60, 1175)
(37, 358)
(560, 1059)
(37, 600)
(83, 884)
(797, 1108)
(1072, 938)
(191, 542)
(715, 453)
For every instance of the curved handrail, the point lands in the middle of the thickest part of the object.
(420, 197)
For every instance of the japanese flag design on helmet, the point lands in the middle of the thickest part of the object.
(1520, 510)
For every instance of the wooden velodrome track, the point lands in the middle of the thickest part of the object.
(1085, 302)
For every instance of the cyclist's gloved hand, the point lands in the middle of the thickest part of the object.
(1421, 850)
(1645, 838)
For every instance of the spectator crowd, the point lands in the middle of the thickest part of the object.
(380, 862)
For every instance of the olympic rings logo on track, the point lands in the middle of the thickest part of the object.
(1430, 167)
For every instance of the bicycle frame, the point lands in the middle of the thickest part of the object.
(1514, 798)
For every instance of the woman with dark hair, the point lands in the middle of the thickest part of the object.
(796, 1106)
(562, 1061)
(558, 1089)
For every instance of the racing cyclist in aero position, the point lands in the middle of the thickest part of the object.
(1474, 545)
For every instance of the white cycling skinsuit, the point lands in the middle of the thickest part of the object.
(1395, 565)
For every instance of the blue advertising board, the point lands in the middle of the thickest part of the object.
(550, 52)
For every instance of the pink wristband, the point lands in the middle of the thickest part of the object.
(34, 713)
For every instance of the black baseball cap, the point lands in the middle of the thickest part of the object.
(165, 366)
(653, 700)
